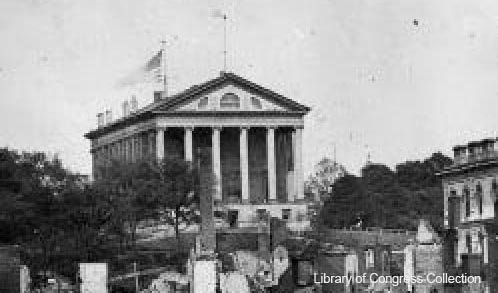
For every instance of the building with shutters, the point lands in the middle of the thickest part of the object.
(471, 214)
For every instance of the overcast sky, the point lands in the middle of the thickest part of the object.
(402, 79)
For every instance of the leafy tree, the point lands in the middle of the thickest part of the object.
(132, 187)
(381, 197)
(181, 185)
(326, 172)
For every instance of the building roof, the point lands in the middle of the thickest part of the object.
(167, 105)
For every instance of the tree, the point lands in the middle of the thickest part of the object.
(381, 197)
(132, 187)
(326, 172)
(181, 185)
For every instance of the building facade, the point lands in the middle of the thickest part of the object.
(471, 214)
(249, 137)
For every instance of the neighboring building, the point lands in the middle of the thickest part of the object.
(249, 136)
(471, 214)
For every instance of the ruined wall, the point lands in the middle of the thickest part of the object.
(428, 259)
(372, 238)
(331, 265)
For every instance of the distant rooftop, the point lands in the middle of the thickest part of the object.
(474, 154)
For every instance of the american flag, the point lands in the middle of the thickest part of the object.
(150, 72)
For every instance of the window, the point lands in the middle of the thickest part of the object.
(230, 101)
(256, 103)
(286, 214)
(466, 198)
(261, 213)
(468, 242)
(369, 258)
(479, 198)
(203, 103)
(481, 241)
(453, 209)
(233, 216)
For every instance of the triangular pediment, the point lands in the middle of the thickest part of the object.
(229, 92)
(230, 98)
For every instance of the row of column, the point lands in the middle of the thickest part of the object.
(127, 149)
(244, 161)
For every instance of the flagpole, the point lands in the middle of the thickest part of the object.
(224, 42)
(164, 69)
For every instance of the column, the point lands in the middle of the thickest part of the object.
(160, 144)
(128, 149)
(188, 144)
(292, 195)
(272, 174)
(298, 164)
(139, 146)
(215, 143)
(151, 144)
(244, 164)
(118, 147)
(124, 150)
(133, 148)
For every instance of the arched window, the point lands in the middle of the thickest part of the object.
(203, 103)
(466, 198)
(256, 103)
(230, 101)
(479, 198)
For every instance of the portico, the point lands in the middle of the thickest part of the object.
(249, 137)
(247, 161)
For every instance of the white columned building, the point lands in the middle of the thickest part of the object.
(247, 136)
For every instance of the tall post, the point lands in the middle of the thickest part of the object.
(160, 144)
(272, 174)
(299, 181)
(217, 163)
(188, 144)
(244, 164)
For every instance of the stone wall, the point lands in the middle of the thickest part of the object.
(428, 259)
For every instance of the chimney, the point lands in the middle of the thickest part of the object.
(100, 120)
(134, 103)
(157, 96)
(460, 153)
(126, 108)
(108, 116)
(488, 146)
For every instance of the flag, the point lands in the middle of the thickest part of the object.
(150, 72)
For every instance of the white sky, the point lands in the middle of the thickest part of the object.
(371, 76)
